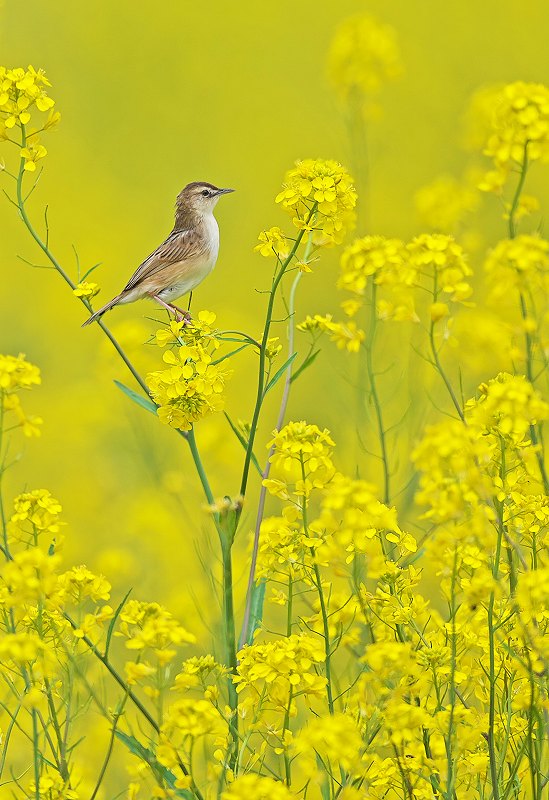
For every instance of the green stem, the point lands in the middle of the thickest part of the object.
(452, 685)
(323, 611)
(262, 357)
(36, 753)
(524, 314)
(490, 737)
(63, 766)
(230, 644)
(437, 360)
(369, 346)
(248, 623)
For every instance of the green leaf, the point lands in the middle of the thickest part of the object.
(148, 756)
(256, 610)
(243, 442)
(232, 353)
(113, 622)
(144, 402)
(279, 373)
(89, 272)
(307, 363)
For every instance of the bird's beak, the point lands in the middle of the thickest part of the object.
(224, 191)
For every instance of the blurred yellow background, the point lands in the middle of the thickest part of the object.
(153, 96)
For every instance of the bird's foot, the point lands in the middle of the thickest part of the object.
(181, 315)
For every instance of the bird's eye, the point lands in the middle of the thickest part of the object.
(205, 193)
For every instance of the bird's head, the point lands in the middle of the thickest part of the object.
(199, 197)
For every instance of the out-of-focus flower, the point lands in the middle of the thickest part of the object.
(150, 625)
(35, 513)
(521, 263)
(321, 198)
(440, 260)
(445, 203)
(453, 460)
(346, 335)
(336, 740)
(353, 522)
(86, 289)
(364, 55)
(384, 265)
(17, 373)
(260, 787)
(519, 124)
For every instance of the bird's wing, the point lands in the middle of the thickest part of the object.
(179, 246)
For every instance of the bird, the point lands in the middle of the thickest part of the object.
(183, 260)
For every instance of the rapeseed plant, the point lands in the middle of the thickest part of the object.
(402, 651)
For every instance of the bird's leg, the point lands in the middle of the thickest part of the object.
(186, 315)
(178, 314)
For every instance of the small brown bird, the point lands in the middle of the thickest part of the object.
(187, 256)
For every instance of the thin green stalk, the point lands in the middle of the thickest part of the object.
(323, 610)
(110, 747)
(248, 624)
(369, 346)
(436, 358)
(490, 736)
(262, 357)
(36, 754)
(285, 727)
(230, 644)
(63, 766)
(529, 343)
(450, 780)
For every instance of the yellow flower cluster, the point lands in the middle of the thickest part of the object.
(193, 385)
(440, 258)
(363, 56)
(519, 264)
(507, 406)
(26, 649)
(272, 243)
(260, 787)
(321, 199)
(79, 584)
(336, 740)
(21, 91)
(450, 449)
(434, 263)
(29, 579)
(16, 373)
(86, 289)
(384, 260)
(284, 548)
(346, 335)
(301, 459)
(186, 721)
(53, 787)
(519, 124)
(36, 512)
(150, 625)
(354, 522)
(282, 667)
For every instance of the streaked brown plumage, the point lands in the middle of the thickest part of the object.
(187, 256)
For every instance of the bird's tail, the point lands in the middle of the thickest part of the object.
(107, 307)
